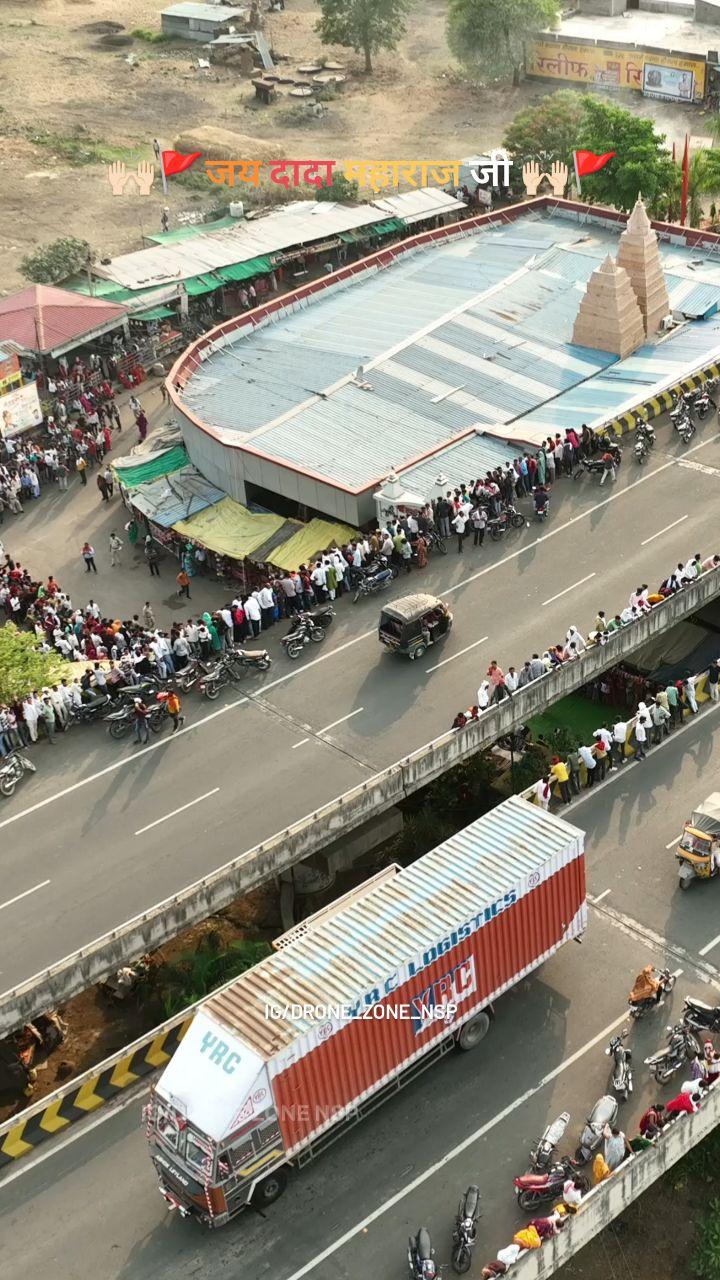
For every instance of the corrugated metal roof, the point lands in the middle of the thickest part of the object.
(204, 12)
(460, 463)
(176, 496)
(425, 202)
(346, 956)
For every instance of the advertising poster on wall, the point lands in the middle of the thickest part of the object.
(20, 410)
(667, 82)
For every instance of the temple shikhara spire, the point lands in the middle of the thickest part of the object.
(609, 318)
(640, 256)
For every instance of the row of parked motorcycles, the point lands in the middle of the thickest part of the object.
(545, 1180)
(688, 407)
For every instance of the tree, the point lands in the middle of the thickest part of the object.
(363, 25)
(641, 162)
(488, 36)
(703, 181)
(340, 189)
(55, 262)
(549, 130)
(22, 667)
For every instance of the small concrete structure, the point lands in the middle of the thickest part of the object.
(640, 256)
(708, 11)
(203, 22)
(607, 8)
(609, 318)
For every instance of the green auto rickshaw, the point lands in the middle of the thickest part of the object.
(413, 623)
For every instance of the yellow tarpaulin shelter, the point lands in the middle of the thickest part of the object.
(316, 536)
(230, 529)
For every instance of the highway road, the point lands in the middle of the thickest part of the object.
(105, 830)
(472, 1117)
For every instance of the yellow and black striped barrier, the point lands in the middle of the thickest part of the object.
(660, 404)
(80, 1097)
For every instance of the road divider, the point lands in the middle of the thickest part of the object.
(148, 931)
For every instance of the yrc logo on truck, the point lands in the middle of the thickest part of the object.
(220, 1053)
(443, 997)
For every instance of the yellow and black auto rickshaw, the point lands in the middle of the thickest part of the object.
(410, 625)
(699, 841)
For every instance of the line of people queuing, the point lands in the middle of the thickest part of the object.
(499, 684)
(616, 1150)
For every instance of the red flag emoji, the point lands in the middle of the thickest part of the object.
(175, 162)
(587, 162)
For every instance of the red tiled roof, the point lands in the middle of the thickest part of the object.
(42, 317)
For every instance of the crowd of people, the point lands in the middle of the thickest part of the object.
(499, 684)
(616, 1148)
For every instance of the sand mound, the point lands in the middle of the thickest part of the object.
(223, 144)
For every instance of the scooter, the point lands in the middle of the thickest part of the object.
(702, 402)
(685, 428)
(622, 1079)
(421, 1256)
(543, 1151)
(682, 1047)
(604, 1112)
(667, 982)
(12, 768)
(465, 1230)
(701, 1016)
(534, 1189)
(374, 582)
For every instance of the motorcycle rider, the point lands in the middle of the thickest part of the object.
(646, 987)
(541, 497)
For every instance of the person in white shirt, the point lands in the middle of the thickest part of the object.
(94, 610)
(266, 600)
(640, 739)
(318, 577)
(689, 688)
(619, 736)
(573, 637)
(511, 679)
(604, 735)
(192, 636)
(30, 713)
(253, 615)
(588, 760)
(483, 696)
(75, 692)
(459, 524)
(181, 651)
(542, 792)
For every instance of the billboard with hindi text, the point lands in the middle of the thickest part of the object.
(593, 64)
(20, 410)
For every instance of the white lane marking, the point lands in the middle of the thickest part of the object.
(342, 720)
(677, 973)
(453, 1154)
(467, 649)
(602, 895)
(273, 684)
(301, 743)
(26, 894)
(175, 812)
(673, 842)
(564, 593)
(660, 532)
(709, 946)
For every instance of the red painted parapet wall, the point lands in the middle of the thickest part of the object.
(191, 359)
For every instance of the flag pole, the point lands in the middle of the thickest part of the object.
(158, 156)
(577, 175)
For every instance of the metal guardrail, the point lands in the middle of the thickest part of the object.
(93, 963)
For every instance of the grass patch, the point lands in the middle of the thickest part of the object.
(577, 715)
(80, 148)
(150, 37)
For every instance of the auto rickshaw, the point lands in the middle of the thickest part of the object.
(410, 625)
(699, 834)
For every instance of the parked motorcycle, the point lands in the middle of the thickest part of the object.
(701, 1016)
(249, 659)
(681, 1048)
(596, 466)
(372, 583)
(91, 709)
(544, 1149)
(702, 402)
(638, 1008)
(535, 1189)
(622, 1078)
(465, 1230)
(604, 1112)
(685, 428)
(421, 1256)
(195, 669)
(303, 631)
(323, 614)
(121, 721)
(498, 526)
(12, 768)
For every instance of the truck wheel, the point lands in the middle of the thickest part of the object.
(270, 1189)
(473, 1032)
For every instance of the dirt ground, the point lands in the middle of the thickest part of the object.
(61, 81)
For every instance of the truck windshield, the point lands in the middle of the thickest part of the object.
(199, 1155)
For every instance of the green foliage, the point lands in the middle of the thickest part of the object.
(150, 37)
(196, 973)
(57, 261)
(22, 668)
(531, 766)
(703, 181)
(548, 130)
(702, 1160)
(566, 121)
(488, 36)
(340, 189)
(705, 1261)
(363, 25)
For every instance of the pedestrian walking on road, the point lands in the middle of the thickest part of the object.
(116, 546)
(88, 555)
(148, 616)
(175, 710)
(151, 557)
(81, 468)
(135, 405)
(183, 585)
(142, 425)
(712, 680)
(102, 486)
(459, 524)
(140, 718)
(609, 468)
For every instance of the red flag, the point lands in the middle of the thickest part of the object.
(176, 162)
(587, 162)
(685, 180)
